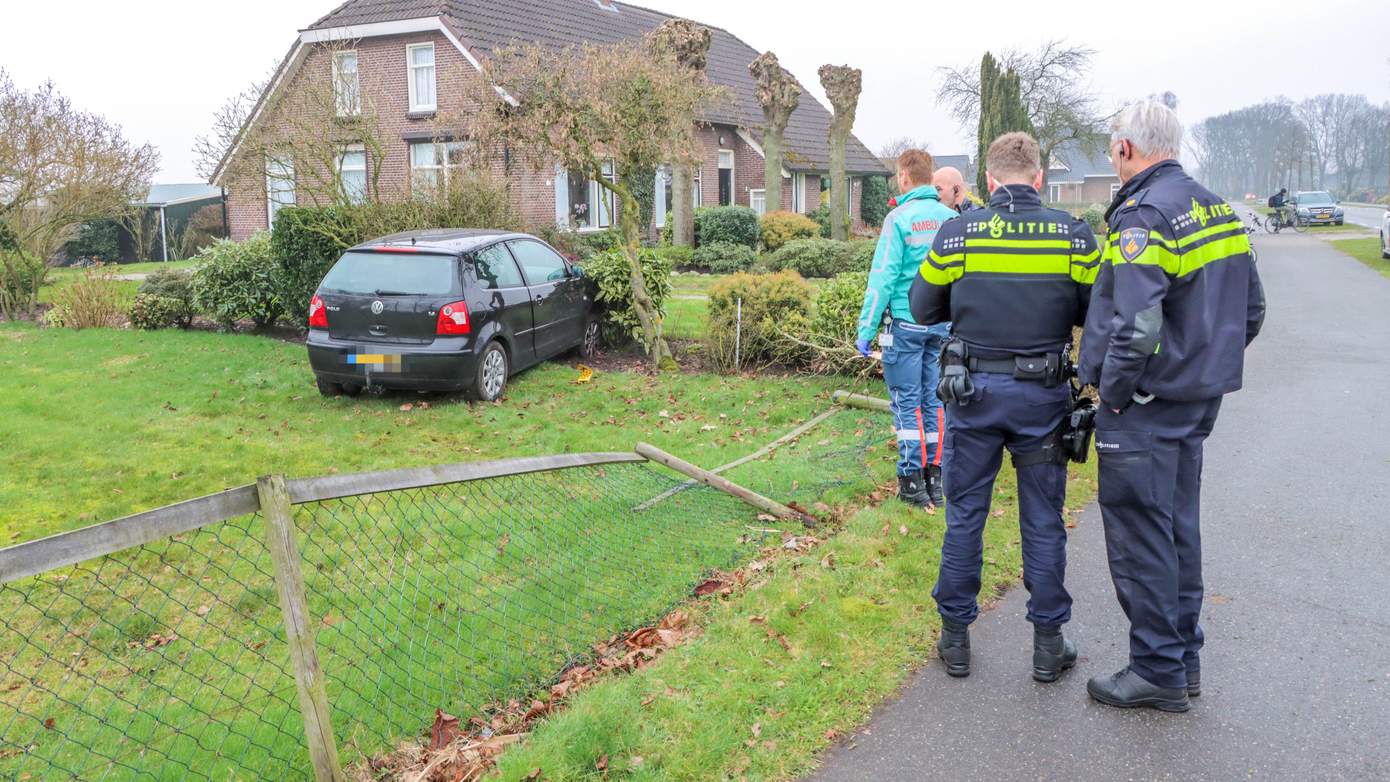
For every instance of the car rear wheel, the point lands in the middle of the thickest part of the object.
(329, 388)
(491, 378)
(589, 347)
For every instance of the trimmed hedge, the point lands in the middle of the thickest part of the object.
(724, 258)
(776, 308)
(727, 225)
(873, 200)
(822, 217)
(678, 257)
(151, 311)
(1094, 215)
(833, 329)
(613, 274)
(304, 245)
(235, 281)
(819, 257)
(782, 227)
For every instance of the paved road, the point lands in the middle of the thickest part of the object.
(1369, 216)
(1296, 672)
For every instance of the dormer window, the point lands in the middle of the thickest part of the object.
(420, 61)
(347, 88)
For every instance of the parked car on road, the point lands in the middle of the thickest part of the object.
(1385, 235)
(447, 310)
(1318, 207)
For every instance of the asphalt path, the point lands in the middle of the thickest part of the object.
(1296, 509)
(1369, 216)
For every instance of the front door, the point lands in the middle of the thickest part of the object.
(726, 177)
(556, 297)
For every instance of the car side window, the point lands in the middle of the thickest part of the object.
(494, 268)
(539, 263)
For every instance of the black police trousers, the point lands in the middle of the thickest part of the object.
(1150, 500)
(1019, 415)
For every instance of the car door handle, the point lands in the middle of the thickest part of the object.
(540, 299)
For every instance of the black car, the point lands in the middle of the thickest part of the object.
(447, 310)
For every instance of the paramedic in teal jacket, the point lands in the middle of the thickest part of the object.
(912, 354)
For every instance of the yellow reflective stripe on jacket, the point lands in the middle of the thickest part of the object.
(1086, 268)
(1011, 263)
(1004, 244)
(939, 271)
(1215, 230)
(1183, 264)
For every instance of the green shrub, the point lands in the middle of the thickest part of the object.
(98, 240)
(176, 285)
(568, 242)
(775, 309)
(680, 258)
(96, 299)
(782, 227)
(235, 281)
(1094, 215)
(667, 229)
(152, 311)
(873, 200)
(611, 271)
(822, 217)
(304, 245)
(602, 241)
(724, 258)
(834, 327)
(727, 225)
(860, 257)
(814, 257)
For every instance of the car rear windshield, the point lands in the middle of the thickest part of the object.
(392, 274)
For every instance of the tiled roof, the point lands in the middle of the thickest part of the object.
(488, 25)
(1078, 163)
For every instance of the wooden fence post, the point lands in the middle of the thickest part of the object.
(289, 582)
(862, 402)
(722, 484)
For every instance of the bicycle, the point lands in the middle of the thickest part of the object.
(1277, 221)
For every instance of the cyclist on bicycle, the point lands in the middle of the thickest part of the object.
(1277, 202)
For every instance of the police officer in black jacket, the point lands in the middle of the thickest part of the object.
(1014, 278)
(1177, 301)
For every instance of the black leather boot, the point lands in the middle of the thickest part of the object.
(1129, 690)
(1052, 655)
(912, 491)
(954, 648)
(1194, 682)
(935, 486)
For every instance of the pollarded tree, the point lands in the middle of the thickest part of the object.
(59, 168)
(688, 43)
(779, 95)
(627, 104)
(843, 85)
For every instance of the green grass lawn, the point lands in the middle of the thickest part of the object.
(1367, 251)
(101, 423)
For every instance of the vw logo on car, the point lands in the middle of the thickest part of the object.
(377, 307)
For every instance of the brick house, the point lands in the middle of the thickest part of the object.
(410, 60)
(1075, 176)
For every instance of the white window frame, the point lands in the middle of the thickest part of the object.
(441, 165)
(697, 195)
(602, 203)
(416, 107)
(339, 94)
(278, 172)
(754, 196)
(1054, 193)
(1114, 190)
(659, 201)
(799, 193)
(355, 149)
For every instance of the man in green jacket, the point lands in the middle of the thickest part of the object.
(911, 352)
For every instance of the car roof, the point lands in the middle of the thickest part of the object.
(446, 240)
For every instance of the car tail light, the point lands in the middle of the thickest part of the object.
(453, 319)
(318, 314)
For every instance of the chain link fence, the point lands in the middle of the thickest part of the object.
(162, 646)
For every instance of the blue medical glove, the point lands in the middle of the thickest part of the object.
(863, 346)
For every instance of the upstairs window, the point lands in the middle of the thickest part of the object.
(347, 88)
(420, 59)
(352, 174)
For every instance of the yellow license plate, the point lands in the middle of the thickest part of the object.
(375, 362)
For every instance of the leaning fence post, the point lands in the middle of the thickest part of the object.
(289, 582)
(722, 484)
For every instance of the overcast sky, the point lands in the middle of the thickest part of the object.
(161, 67)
